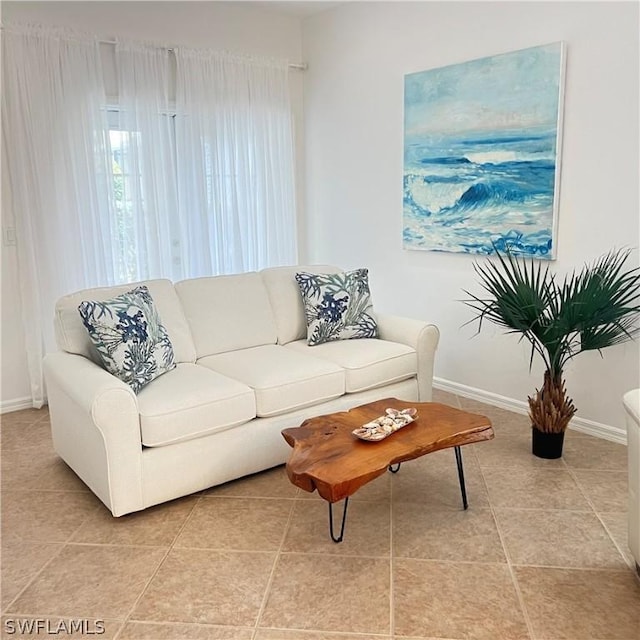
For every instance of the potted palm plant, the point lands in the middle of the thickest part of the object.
(594, 308)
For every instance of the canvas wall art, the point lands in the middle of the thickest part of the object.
(482, 154)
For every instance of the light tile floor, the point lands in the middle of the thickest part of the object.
(541, 552)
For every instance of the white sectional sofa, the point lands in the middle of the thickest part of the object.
(244, 372)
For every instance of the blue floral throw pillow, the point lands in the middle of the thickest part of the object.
(128, 334)
(337, 306)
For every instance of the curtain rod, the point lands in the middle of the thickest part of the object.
(298, 66)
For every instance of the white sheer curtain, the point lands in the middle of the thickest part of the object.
(189, 173)
(57, 158)
(147, 205)
(235, 158)
(209, 176)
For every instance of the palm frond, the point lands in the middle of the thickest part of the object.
(518, 298)
(601, 303)
(594, 308)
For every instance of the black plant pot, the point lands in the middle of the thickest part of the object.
(546, 445)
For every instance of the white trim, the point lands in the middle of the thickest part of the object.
(597, 429)
(17, 404)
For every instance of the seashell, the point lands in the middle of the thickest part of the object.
(385, 425)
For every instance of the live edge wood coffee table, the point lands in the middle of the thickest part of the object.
(328, 457)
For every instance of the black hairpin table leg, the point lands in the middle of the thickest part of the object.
(397, 468)
(344, 518)
(463, 489)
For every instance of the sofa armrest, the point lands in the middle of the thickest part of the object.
(86, 383)
(96, 428)
(421, 336)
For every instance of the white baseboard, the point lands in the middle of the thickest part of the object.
(6, 406)
(597, 429)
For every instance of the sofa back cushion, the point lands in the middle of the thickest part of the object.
(227, 312)
(286, 300)
(72, 336)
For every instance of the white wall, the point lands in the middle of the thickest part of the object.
(358, 54)
(216, 25)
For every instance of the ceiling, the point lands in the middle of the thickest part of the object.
(292, 7)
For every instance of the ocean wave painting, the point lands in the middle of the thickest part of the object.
(481, 154)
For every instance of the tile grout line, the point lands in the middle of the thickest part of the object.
(36, 490)
(228, 497)
(628, 561)
(36, 575)
(495, 563)
(321, 554)
(347, 634)
(203, 625)
(45, 416)
(486, 563)
(127, 617)
(580, 488)
(267, 589)
(543, 509)
(557, 567)
(597, 514)
(510, 567)
(63, 545)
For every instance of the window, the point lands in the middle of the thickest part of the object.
(123, 181)
(146, 231)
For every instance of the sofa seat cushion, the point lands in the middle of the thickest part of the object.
(368, 362)
(283, 379)
(192, 401)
